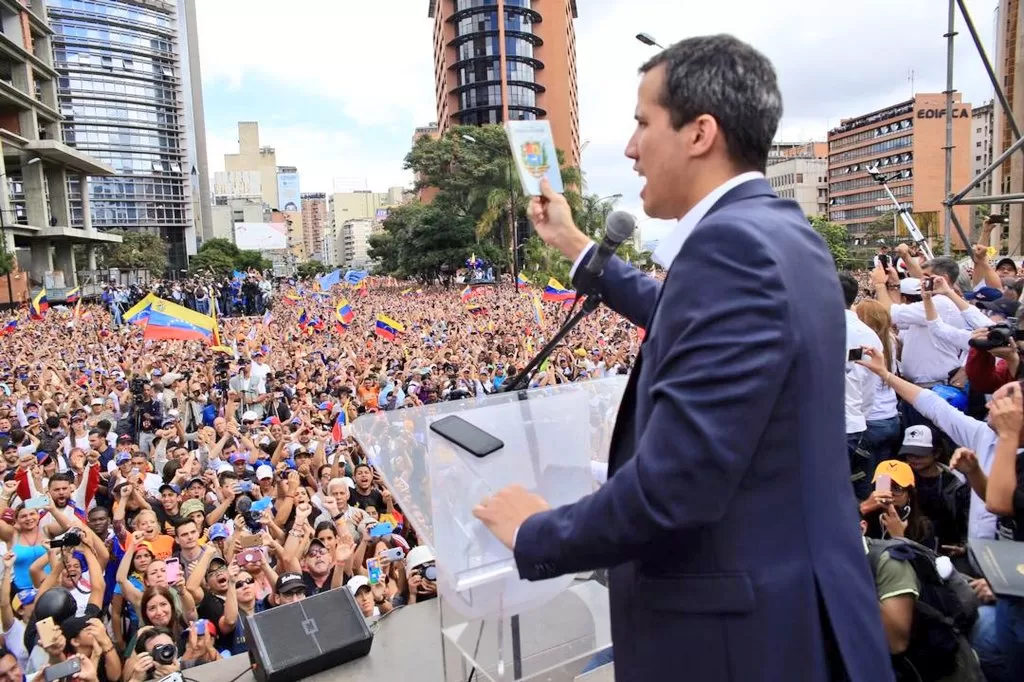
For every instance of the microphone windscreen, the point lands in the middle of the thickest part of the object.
(619, 226)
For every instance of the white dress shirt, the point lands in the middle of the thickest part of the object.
(670, 247)
(926, 359)
(861, 383)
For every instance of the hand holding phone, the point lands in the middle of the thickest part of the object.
(855, 354)
(884, 484)
(373, 571)
(173, 570)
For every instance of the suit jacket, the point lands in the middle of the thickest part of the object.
(729, 518)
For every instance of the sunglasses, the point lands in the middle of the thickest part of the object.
(242, 583)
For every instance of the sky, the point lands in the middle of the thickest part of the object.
(339, 86)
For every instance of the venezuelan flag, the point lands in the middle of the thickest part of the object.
(140, 311)
(407, 292)
(476, 309)
(72, 295)
(522, 281)
(538, 310)
(554, 291)
(291, 299)
(38, 305)
(361, 288)
(344, 313)
(174, 322)
(9, 327)
(303, 320)
(387, 328)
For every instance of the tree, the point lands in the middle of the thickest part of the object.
(137, 251)
(309, 269)
(478, 194)
(836, 238)
(213, 260)
(252, 260)
(223, 257)
(7, 259)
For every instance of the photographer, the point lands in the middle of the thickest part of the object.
(156, 654)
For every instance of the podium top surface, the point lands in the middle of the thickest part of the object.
(550, 435)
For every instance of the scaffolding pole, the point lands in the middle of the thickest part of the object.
(961, 197)
(948, 213)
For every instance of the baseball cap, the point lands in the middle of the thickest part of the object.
(218, 531)
(190, 507)
(122, 457)
(900, 473)
(290, 582)
(1003, 306)
(910, 286)
(170, 486)
(917, 441)
(195, 479)
(316, 541)
(356, 582)
(218, 559)
(125, 439)
(24, 598)
(42, 456)
(1006, 261)
(249, 416)
(97, 401)
(237, 457)
(422, 554)
(983, 294)
(264, 471)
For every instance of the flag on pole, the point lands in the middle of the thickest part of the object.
(72, 295)
(38, 305)
(387, 328)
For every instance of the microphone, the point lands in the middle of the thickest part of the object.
(618, 227)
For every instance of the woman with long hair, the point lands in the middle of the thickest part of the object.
(158, 608)
(883, 435)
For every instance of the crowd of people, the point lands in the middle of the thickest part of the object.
(934, 425)
(155, 492)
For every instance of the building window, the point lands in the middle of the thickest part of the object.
(799, 178)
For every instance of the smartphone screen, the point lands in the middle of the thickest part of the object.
(855, 354)
(38, 502)
(173, 570)
(466, 435)
(928, 284)
(884, 484)
(374, 569)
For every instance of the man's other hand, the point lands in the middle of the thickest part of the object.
(504, 512)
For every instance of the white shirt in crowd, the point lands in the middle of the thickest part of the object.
(861, 383)
(925, 359)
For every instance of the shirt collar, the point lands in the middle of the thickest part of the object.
(669, 247)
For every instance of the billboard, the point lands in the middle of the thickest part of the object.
(237, 184)
(381, 215)
(288, 196)
(261, 236)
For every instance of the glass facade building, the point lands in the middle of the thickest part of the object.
(124, 91)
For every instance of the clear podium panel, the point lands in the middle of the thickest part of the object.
(550, 439)
(553, 641)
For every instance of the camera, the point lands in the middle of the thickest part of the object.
(221, 370)
(164, 654)
(72, 538)
(999, 335)
(137, 386)
(427, 572)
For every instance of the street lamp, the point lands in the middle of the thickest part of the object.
(3, 236)
(648, 40)
(512, 213)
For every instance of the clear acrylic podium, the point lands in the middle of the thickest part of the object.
(494, 625)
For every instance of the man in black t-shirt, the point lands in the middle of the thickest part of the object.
(365, 495)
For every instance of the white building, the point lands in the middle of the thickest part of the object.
(354, 243)
(805, 180)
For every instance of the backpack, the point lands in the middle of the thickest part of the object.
(944, 611)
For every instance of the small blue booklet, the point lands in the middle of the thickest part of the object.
(533, 148)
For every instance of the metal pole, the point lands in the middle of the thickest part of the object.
(515, 225)
(1007, 109)
(958, 197)
(1016, 198)
(950, 34)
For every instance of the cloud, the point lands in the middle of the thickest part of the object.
(339, 85)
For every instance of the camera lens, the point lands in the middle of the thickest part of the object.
(163, 653)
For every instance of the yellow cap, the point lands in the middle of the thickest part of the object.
(900, 472)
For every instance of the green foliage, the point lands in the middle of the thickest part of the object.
(478, 194)
(223, 257)
(309, 269)
(7, 259)
(137, 251)
(836, 238)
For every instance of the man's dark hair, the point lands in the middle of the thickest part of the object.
(52, 422)
(183, 522)
(145, 636)
(729, 80)
(103, 426)
(225, 476)
(97, 432)
(945, 266)
(850, 288)
(65, 477)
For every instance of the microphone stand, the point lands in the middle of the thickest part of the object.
(521, 380)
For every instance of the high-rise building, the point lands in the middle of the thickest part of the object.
(252, 157)
(982, 127)
(905, 141)
(521, 67)
(803, 179)
(354, 243)
(130, 95)
(314, 218)
(35, 166)
(364, 204)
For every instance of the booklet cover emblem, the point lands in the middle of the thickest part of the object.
(533, 149)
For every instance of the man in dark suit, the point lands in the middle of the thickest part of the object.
(728, 519)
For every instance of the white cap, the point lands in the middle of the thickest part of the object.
(418, 556)
(910, 286)
(97, 401)
(249, 416)
(917, 440)
(264, 471)
(224, 466)
(351, 483)
(357, 581)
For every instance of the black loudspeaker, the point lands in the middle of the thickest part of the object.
(293, 641)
